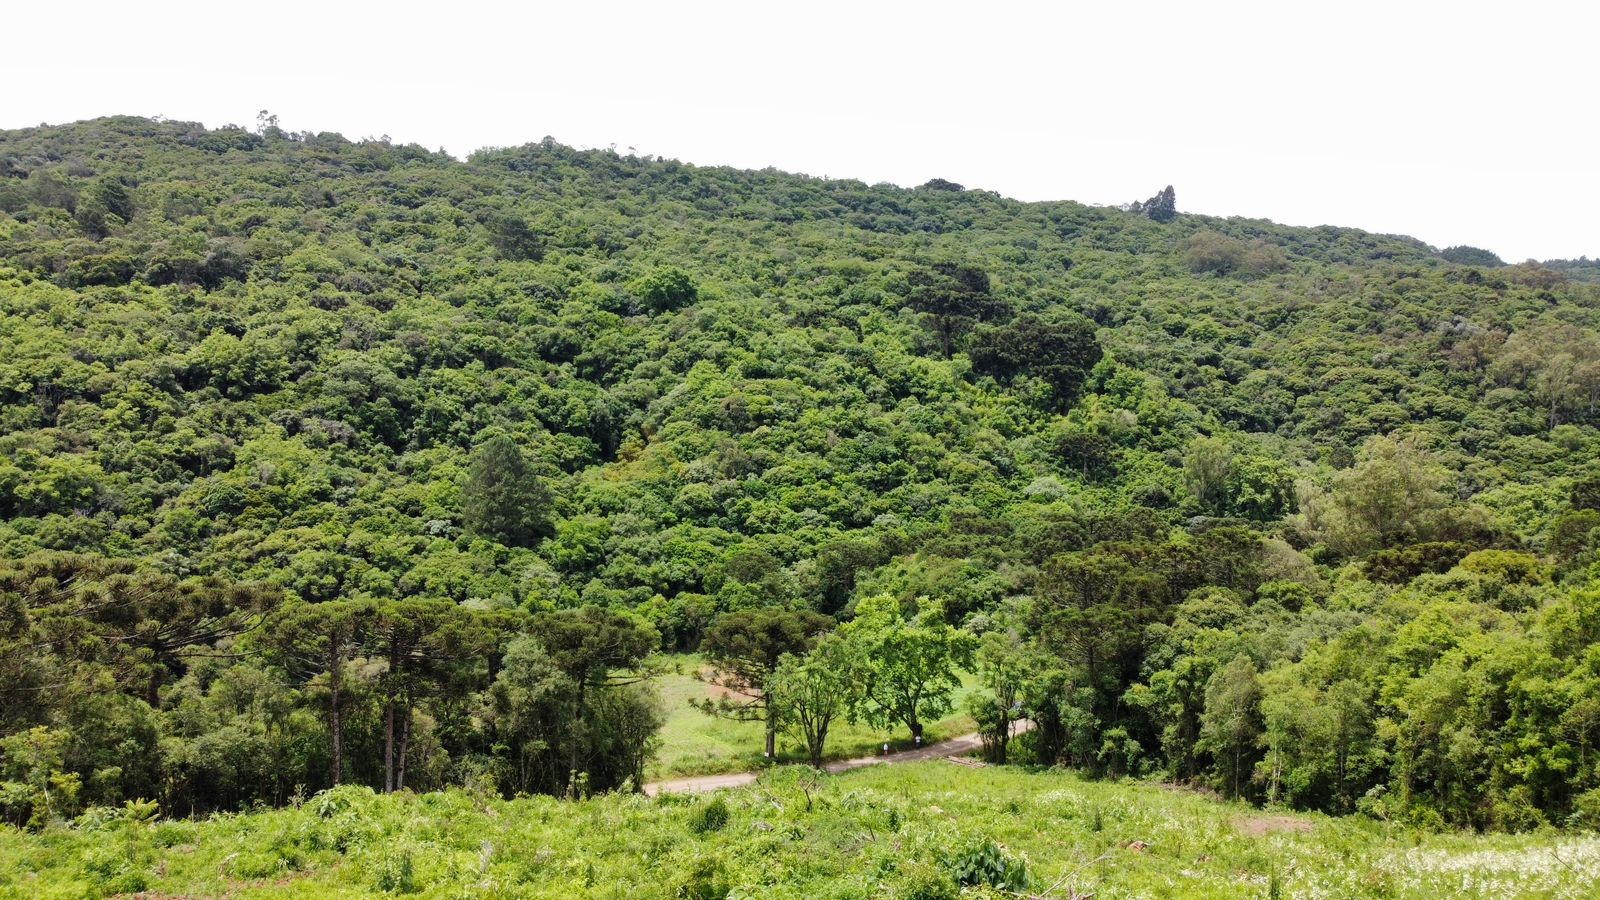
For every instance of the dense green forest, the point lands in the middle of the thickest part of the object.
(327, 461)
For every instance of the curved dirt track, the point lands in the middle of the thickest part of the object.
(957, 746)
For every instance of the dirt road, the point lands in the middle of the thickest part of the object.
(958, 746)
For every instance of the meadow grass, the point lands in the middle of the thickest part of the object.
(885, 831)
(693, 743)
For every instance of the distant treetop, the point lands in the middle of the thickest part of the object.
(1471, 256)
(1163, 207)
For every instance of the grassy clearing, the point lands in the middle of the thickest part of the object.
(896, 831)
(693, 743)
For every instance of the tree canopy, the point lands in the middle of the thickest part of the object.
(328, 461)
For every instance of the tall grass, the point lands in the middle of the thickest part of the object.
(922, 829)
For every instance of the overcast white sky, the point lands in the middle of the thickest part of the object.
(1453, 122)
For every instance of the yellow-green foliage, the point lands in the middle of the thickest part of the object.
(307, 446)
(897, 831)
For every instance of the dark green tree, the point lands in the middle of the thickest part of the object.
(1471, 256)
(1585, 493)
(744, 649)
(953, 296)
(321, 639)
(429, 648)
(1090, 454)
(1059, 351)
(597, 649)
(1163, 207)
(504, 499)
(514, 237)
(1091, 610)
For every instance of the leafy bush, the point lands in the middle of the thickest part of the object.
(1402, 564)
(986, 863)
(1209, 251)
(1586, 810)
(708, 817)
(665, 289)
(115, 870)
(704, 879)
(394, 872)
(251, 865)
(924, 881)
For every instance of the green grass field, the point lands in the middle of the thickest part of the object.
(693, 743)
(905, 831)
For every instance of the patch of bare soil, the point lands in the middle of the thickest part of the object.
(714, 691)
(1263, 825)
(1180, 788)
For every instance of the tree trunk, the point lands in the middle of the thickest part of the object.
(405, 743)
(572, 746)
(335, 723)
(772, 736)
(390, 784)
(818, 743)
(388, 746)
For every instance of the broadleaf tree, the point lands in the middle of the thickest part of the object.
(910, 665)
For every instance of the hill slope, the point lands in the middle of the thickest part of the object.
(1342, 470)
(302, 337)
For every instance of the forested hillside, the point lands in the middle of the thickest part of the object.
(347, 461)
